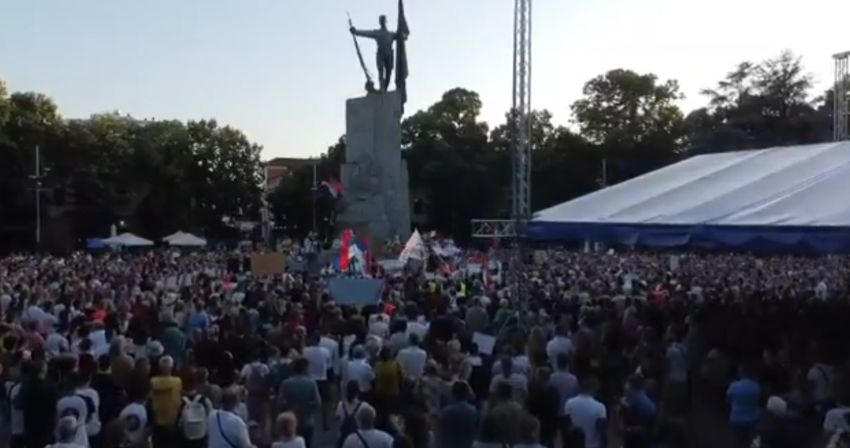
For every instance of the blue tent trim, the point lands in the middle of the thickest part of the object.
(826, 239)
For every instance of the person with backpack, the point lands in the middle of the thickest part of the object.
(134, 418)
(226, 429)
(80, 407)
(366, 436)
(92, 399)
(256, 376)
(346, 411)
(194, 411)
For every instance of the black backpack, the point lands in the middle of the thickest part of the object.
(349, 423)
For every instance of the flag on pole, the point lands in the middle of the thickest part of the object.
(344, 252)
(414, 248)
(333, 187)
(401, 54)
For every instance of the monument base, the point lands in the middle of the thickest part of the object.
(377, 198)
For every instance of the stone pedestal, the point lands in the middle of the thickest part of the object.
(376, 201)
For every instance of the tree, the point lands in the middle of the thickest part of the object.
(757, 106)
(634, 120)
(448, 152)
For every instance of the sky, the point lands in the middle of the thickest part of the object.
(281, 70)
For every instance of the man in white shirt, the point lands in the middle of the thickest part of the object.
(366, 434)
(419, 327)
(225, 428)
(332, 346)
(318, 364)
(357, 369)
(560, 344)
(318, 359)
(518, 381)
(379, 325)
(564, 381)
(586, 413)
(87, 393)
(412, 359)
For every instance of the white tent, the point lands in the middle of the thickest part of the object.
(187, 240)
(784, 196)
(172, 236)
(127, 240)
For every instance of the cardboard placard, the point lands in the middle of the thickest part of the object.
(268, 264)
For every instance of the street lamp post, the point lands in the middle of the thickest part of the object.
(36, 177)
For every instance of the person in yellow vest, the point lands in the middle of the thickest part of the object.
(166, 390)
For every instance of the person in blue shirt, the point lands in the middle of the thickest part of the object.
(458, 421)
(639, 414)
(744, 396)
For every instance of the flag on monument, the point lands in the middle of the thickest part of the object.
(401, 53)
(333, 187)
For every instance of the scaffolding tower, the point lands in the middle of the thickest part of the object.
(520, 135)
(841, 104)
(520, 147)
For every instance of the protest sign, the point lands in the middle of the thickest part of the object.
(485, 342)
(267, 264)
(355, 291)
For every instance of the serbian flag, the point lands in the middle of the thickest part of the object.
(345, 250)
(333, 187)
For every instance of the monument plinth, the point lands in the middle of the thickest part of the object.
(377, 199)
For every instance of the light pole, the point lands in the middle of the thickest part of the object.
(315, 193)
(37, 176)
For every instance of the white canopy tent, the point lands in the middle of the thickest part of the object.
(127, 240)
(187, 240)
(173, 235)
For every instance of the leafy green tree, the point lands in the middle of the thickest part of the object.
(757, 106)
(634, 119)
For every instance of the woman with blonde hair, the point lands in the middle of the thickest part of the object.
(287, 424)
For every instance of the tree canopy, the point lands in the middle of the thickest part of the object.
(157, 176)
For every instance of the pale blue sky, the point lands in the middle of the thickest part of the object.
(281, 70)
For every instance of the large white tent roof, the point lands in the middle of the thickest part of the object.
(793, 187)
(787, 186)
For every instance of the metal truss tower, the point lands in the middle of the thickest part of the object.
(521, 115)
(841, 103)
(520, 133)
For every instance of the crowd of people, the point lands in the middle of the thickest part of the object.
(596, 349)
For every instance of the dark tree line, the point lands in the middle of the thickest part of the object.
(158, 176)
